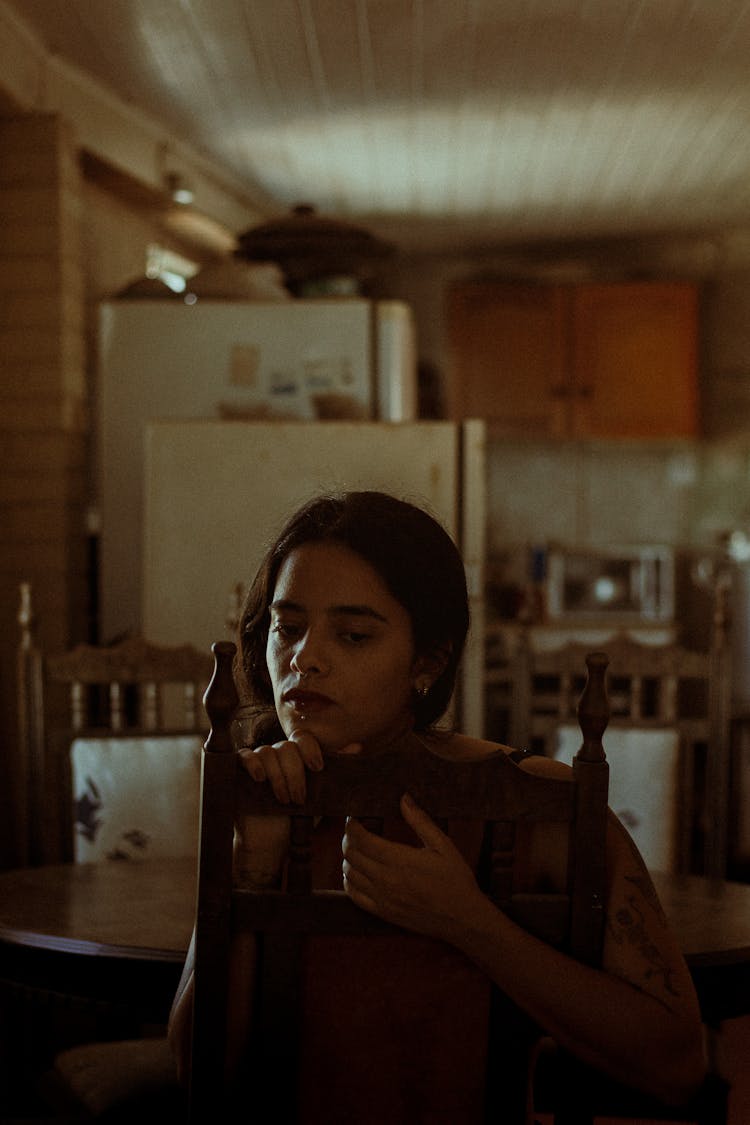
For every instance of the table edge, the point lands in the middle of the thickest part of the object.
(32, 939)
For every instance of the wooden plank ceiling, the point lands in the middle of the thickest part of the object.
(444, 123)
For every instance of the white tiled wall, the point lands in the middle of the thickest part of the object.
(534, 493)
(683, 495)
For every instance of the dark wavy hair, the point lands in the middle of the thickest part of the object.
(416, 559)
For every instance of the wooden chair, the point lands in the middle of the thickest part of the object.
(121, 695)
(495, 790)
(651, 688)
(130, 690)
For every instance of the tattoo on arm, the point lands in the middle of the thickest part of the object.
(641, 880)
(628, 922)
(646, 889)
(629, 925)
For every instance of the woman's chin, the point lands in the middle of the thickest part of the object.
(343, 748)
(330, 741)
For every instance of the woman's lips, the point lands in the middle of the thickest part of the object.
(307, 702)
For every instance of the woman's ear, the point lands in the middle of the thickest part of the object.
(429, 666)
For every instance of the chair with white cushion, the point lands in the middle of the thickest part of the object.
(110, 740)
(110, 743)
(667, 740)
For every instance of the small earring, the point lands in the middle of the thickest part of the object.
(423, 689)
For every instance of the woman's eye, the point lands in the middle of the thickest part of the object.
(285, 629)
(354, 638)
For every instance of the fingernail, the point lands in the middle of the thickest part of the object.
(408, 800)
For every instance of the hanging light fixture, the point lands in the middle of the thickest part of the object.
(179, 190)
(309, 246)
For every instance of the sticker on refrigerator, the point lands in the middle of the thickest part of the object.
(244, 366)
(328, 374)
(283, 383)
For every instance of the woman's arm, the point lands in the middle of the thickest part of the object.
(180, 1027)
(260, 847)
(636, 1018)
(242, 978)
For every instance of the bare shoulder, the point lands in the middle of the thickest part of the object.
(461, 747)
(545, 767)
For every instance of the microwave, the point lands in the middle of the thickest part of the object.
(627, 585)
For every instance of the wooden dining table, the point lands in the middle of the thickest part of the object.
(120, 931)
(711, 918)
(118, 909)
(114, 932)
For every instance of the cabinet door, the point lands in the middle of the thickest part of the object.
(508, 346)
(635, 366)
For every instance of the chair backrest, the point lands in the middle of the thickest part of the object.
(109, 700)
(652, 688)
(495, 790)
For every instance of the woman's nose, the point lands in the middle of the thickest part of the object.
(309, 656)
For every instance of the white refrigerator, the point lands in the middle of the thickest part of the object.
(162, 359)
(217, 492)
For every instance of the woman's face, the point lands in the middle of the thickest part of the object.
(340, 649)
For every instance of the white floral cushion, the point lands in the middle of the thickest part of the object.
(135, 798)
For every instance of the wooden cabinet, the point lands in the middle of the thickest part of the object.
(594, 360)
(508, 346)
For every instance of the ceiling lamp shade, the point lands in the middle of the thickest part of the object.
(308, 246)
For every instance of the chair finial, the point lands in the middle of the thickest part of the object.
(593, 708)
(220, 699)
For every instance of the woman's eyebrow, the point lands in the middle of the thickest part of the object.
(334, 611)
(357, 611)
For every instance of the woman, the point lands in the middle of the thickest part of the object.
(351, 635)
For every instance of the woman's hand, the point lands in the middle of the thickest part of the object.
(262, 842)
(283, 765)
(431, 890)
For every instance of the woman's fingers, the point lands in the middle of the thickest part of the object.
(282, 765)
(308, 748)
(253, 763)
(425, 828)
(376, 848)
(359, 890)
(286, 774)
(426, 889)
(373, 866)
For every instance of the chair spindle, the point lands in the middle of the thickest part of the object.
(299, 874)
